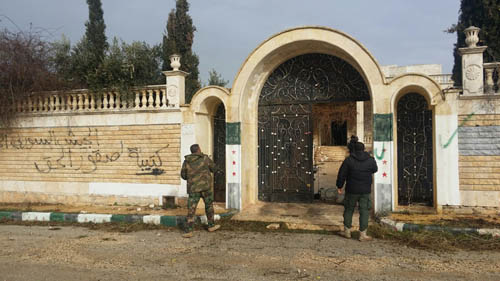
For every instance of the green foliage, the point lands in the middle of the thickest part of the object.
(95, 34)
(126, 65)
(61, 58)
(145, 61)
(216, 79)
(179, 38)
(84, 65)
(484, 14)
(92, 63)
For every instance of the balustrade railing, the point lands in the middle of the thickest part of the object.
(443, 79)
(492, 78)
(145, 98)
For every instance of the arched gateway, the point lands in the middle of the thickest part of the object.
(279, 101)
(287, 121)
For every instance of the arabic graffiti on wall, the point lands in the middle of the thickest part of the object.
(82, 152)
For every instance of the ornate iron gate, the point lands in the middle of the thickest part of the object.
(285, 121)
(415, 157)
(285, 154)
(220, 154)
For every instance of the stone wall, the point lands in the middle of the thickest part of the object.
(122, 157)
(479, 161)
(140, 154)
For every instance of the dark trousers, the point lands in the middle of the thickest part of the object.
(193, 199)
(365, 204)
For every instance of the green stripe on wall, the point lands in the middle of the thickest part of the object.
(56, 217)
(382, 127)
(5, 215)
(168, 220)
(117, 218)
(233, 133)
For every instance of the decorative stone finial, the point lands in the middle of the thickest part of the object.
(471, 36)
(175, 61)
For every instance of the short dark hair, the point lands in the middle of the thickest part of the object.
(194, 148)
(352, 142)
(359, 146)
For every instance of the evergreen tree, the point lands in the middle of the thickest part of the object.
(179, 39)
(484, 14)
(216, 79)
(89, 53)
(95, 33)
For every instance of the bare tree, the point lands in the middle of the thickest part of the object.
(25, 67)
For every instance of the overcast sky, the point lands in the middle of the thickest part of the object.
(401, 32)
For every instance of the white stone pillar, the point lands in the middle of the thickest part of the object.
(446, 171)
(176, 83)
(360, 120)
(472, 63)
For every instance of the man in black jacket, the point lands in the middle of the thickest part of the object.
(357, 170)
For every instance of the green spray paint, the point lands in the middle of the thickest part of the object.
(456, 131)
(381, 154)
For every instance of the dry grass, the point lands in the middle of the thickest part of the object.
(437, 240)
(110, 227)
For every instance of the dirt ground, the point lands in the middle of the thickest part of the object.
(78, 253)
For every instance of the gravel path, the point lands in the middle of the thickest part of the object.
(77, 253)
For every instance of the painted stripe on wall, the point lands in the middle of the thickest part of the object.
(35, 216)
(95, 218)
(382, 127)
(383, 193)
(233, 133)
(233, 176)
(152, 219)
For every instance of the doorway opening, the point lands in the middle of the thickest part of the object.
(299, 104)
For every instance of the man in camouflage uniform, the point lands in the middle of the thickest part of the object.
(196, 170)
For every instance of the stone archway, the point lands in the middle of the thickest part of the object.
(209, 106)
(258, 67)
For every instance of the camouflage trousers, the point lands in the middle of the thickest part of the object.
(194, 198)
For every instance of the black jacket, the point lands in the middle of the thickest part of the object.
(357, 170)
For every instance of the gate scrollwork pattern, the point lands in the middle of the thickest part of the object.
(285, 121)
(220, 154)
(314, 78)
(415, 153)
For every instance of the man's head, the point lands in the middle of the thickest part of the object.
(359, 146)
(352, 142)
(195, 148)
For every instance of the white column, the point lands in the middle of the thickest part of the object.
(176, 83)
(188, 138)
(446, 151)
(360, 120)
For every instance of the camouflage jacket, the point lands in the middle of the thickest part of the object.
(196, 170)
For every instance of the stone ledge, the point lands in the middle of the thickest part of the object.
(105, 218)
